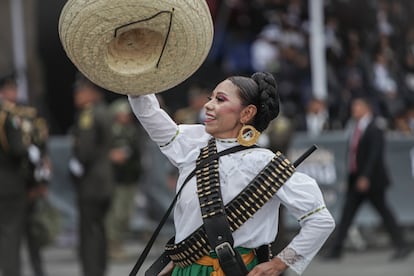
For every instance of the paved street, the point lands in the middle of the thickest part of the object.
(61, 261)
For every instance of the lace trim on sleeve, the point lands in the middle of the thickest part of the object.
(293, 260)
(311, 213)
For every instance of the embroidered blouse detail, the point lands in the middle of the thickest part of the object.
(227, 141)
(295, 261)
(312, 212)
(172, 139)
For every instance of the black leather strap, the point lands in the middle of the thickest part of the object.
(215, 223)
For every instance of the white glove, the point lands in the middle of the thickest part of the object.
(34, 154)
(76, 167)
(42, 173)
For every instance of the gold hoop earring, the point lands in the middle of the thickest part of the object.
(248, 136)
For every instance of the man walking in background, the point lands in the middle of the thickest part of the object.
(368, 179)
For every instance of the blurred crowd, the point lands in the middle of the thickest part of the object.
(369, 52)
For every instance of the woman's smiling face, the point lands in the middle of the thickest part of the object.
(223, 111)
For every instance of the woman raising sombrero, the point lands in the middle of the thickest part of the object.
(229, 209)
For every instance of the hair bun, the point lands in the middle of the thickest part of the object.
(264, 79)
(268, 108)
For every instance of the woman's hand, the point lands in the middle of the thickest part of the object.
(273, 267)
(167, 270)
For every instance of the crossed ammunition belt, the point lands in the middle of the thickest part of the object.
(260, 190)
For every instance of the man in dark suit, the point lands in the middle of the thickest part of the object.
(92, 172)
(368, 179)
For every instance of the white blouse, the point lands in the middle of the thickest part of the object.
(300, 194)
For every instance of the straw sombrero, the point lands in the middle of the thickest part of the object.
(136, 46)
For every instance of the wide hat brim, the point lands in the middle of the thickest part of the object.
(136, 47)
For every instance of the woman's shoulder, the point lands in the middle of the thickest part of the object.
(257, 158)
(257, 153)
(195, 131)
(301, 178)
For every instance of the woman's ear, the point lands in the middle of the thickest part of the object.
(248, 113)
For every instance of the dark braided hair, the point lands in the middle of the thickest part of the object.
(260, 90)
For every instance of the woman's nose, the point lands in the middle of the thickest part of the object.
(208, 105)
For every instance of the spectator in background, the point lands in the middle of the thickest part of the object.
(404, 121)
(353, 74)
(194, 113)
(408, 74)
(92, 172)
(316, 119)
(236, 24)
(265, 49)
(125, 156)
(386, 87)
(410, 118)
(368, 179)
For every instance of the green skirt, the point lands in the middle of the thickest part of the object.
(202, 270)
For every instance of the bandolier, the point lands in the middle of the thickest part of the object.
(253, 197)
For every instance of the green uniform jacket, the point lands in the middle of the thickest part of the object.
(92, 142)
(12, 152)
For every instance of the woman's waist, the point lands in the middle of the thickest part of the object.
(249, 235)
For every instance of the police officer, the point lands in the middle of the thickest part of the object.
(92, 171)
(126, 160)
(15, 148)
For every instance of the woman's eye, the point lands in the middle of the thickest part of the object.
(217, 98)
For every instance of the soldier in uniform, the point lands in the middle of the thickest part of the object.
(91, 169)
(126, 160)
(15, 149)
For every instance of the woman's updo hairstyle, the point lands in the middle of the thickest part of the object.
(260, 90)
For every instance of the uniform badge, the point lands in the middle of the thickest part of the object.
(16, 121)
(85, 120)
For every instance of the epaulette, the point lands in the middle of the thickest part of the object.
(26, 111)
(19, 110)
(8, 106)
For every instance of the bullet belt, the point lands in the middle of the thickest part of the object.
(260, 190)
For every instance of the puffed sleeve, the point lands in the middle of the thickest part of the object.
(303, 199)
(180, 143)
(158, 124)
